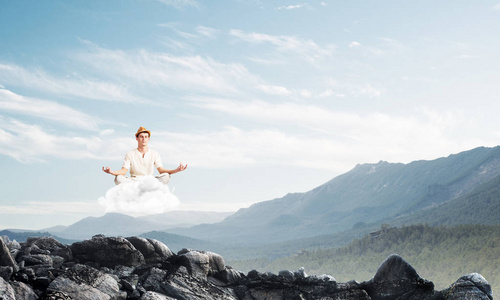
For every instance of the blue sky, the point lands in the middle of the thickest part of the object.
(260, 98)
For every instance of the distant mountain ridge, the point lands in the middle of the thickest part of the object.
(367, 194)
(116, 224)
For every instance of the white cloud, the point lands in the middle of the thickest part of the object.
(206, 31)
(354, 44)
(161, 71)
(275, 90)
(31, 143)
(43, 109)
(307, 49)
(144, 196)
(343, 136)
(497, 7)
(38, 79)
(180, 3)
(290, 7)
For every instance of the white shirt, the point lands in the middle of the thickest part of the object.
(140, 165)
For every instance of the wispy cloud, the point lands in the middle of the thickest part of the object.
(289, 44)
(157, 72)
(497, 7)
(393, 137)
(180, 3)
(79, 87)
(31, 143)
(290, 7)
(207, 31)
(17, 104)
(275, 90)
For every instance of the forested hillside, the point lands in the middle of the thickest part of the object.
(440, 254)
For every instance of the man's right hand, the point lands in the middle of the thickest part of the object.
(107, 170)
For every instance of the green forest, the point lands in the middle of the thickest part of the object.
(441, 254)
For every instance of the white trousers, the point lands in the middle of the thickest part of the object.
(163, 178)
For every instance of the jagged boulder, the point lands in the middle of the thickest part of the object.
(6, 290)
(397, 279)
(107, 252)
(183, 286)
(23, 291)
(135, 268)
(84, 282)
(155, 296)
(197, 263)
(48, 244)
(153, 251)
(471, 286)
(6, 259)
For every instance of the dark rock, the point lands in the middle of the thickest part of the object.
(56, 296)
(6, 259)
(145, 269)
(184, 287)
(37, 260)
(154, 280)
(155, 296)
(50, 244)
(107, 252)
(23, 291)
(6, 272)
(84, 282)
(6, 290)
(471, 286)
(153, 251)
(230, 276)
(397, 279)
(197, 263)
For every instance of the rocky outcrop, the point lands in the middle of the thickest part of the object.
(135, 268)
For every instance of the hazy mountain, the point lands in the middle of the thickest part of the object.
(368, 194)
(111, 224)
(181, 218)
(177, 242)
(54, 229)
(115, 224)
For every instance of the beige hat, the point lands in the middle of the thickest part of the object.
(141, 130)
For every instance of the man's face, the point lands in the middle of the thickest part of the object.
(143, 139)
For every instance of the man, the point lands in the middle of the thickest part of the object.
(142, 161)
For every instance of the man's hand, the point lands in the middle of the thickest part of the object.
(107, 170)
(181, 167)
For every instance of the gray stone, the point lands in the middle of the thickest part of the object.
(153, 251)
(155, 296)
(6, 272)
(6, 259)
(154, 279)
(470, 286)
(50, 244)
(84, 282)
(6, 290)
(23, 291)
(397, 279)
(107, 252)
(183, 287)
(197, 263)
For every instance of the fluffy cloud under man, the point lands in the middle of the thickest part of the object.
(140, 197)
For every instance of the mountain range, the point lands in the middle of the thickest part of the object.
(462, 188)
(368, 194)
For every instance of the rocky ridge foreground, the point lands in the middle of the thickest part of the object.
(145, 269)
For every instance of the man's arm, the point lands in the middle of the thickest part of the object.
(180, 168)
(108, 170)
